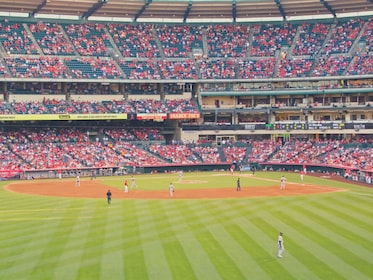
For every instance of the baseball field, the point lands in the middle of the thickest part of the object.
(52, 229)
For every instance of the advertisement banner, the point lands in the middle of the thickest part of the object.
(62, 117)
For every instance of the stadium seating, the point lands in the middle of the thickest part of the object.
(51, 39)
(16, 40)
(134, 40)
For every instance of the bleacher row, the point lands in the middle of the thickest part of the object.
(143, 52)
(72, 148)
(59, 106)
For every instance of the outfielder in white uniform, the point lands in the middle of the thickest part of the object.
(282, 182)
(280, 243)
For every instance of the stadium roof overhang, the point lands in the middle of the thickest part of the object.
(186, 10)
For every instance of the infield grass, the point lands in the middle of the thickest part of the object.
(327, 236)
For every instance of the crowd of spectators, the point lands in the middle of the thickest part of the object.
(174, 153)
(361, 65)
(269, 38)
(107, 50)
(179, 40)
(139, 70)
(134, 40)
(89, 39)
(259, 68)
(71, 148)
(366, 37)
(51, 38)
(294, 67)
(63, 106)
(41, 67)
(92, 68)
(311, 38)
(227, 40)
(208, 153)
(175, 70)
(329, 65)
(16, 40)
(217, 69)
(343, 36)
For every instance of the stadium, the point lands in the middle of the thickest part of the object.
(197, 94)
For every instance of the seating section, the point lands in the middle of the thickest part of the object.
(294, 67)
(217, 69)
(16, 40)
(175, 153)
(134, 40)
(51, 39)
(92, 68)
(174, 70)
(179, 41)
(3, 71)
(227, 40)
(269, 38)
(139, 70)
(311, 38)
(343, 36)
(89, 39)
(259, 68)
(185, 51)
(56, 148)
(332, 65)
(61, 106)
(41, 67)
(366, 37)
(361, 65)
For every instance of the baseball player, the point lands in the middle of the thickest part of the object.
(280, 243)
(282, 182)
(171, 189)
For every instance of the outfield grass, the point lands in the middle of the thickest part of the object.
(327, 236)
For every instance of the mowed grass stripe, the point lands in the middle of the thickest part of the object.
(357, 206)
(90, 263)
(197, 256)
(132, 251)
(232, 245)
(53, 249)
(266, 223)
(32, 239)
(340, 242)
(154, 256)
(328, 250)
(352, 227)
(226, 212)
(241, 246)
(241, 237)
(262, 249)
(177, 260)
(302, 252)
(111, 262)
(74, 239)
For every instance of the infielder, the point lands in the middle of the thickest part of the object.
(282, 183)
(171, 189)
